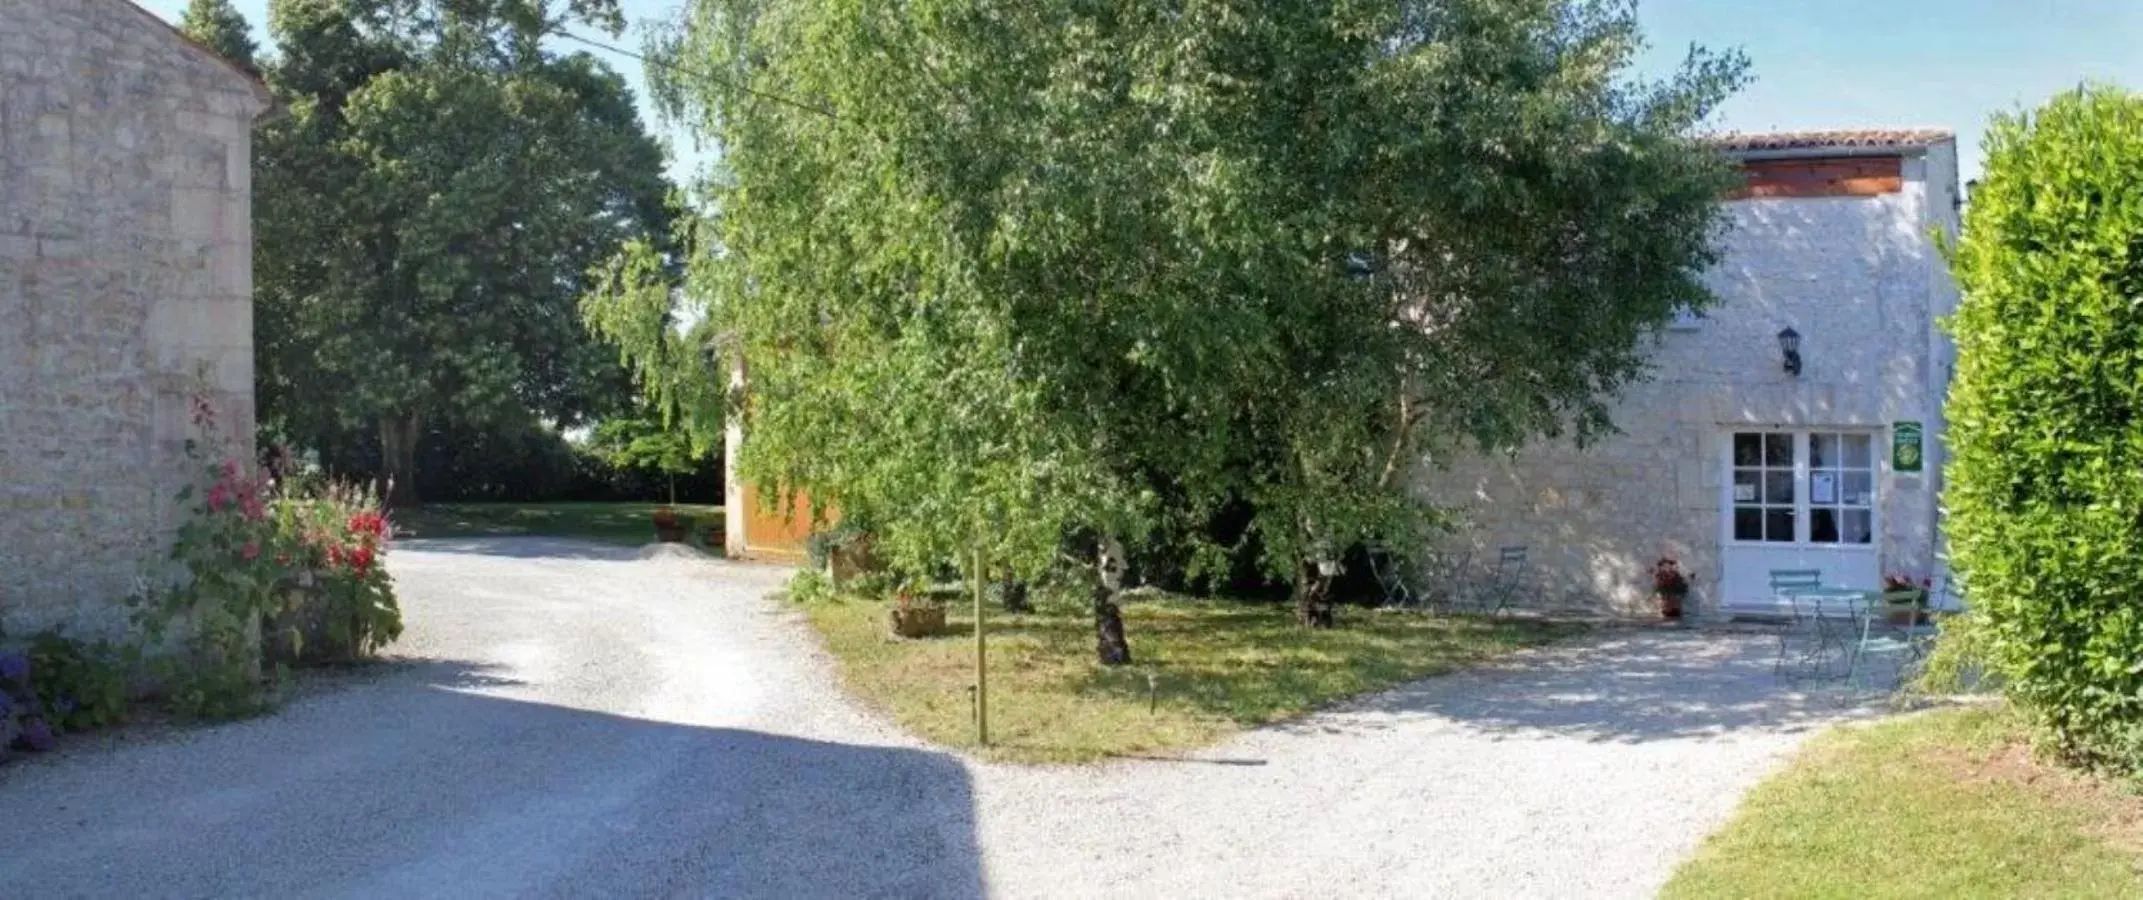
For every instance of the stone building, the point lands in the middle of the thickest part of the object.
(125, 292)
(1732, 461)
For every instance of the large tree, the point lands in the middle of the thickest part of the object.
(997, 271)
(218, 25)
(429, 210)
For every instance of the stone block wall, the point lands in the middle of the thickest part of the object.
(125, 291)
(1859, 278)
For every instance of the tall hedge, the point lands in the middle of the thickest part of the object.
(2045, 493)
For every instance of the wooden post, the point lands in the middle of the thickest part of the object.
(982, 678)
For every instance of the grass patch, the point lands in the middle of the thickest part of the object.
(1945, 804)
(620, 523)
(1216, 666)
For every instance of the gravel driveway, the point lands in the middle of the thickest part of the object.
(568, 719)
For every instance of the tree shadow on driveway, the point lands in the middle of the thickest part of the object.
(1621, 685)
(421, 786)
(523, 547)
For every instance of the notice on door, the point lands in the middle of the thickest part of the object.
(1905, 455)
(1824, 487)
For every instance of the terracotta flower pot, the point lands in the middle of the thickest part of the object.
(1670, 606)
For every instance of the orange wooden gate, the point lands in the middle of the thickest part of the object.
(775, 533)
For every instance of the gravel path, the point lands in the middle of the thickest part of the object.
(567, 719)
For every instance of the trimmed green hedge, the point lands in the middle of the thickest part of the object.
(2045, 491)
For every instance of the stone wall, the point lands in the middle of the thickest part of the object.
(125, 291)
(1861, 281)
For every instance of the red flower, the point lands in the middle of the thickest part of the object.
(250, 551)
(219, 494)
(334, 555)
(368, 522)
(360, 558)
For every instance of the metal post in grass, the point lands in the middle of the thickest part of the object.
(982, 677)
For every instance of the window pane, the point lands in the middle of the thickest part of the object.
(1748, 523)
(1859, 451)
(1745, 483)
(1748, 450)
(1859, 489)
(1778, 487)
(1823, 525)
(1859, 526)
(1778, 525)
(1822, 450)
(1778, 450)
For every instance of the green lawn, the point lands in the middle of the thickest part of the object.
(623, 523)
(1947, 804)
(1217, 667)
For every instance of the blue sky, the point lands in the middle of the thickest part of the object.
(1825, 63)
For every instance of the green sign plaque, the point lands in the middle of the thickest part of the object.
(1905, 452)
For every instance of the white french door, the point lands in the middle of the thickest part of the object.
(1798, 499)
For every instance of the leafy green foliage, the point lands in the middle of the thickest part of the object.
(428, 211)
(82, 685)
(642, 443)
(999, 275)
(217, 25)
(251, 564)
(2045, 509)
(339, 603)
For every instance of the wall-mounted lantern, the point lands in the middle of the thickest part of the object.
(1789, 344)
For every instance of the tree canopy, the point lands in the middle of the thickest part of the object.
(218, 25)
(428, 212)
(998, 271)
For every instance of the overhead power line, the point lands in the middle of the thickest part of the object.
(663, 64)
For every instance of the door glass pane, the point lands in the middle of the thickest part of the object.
(1778, 525)
(1745, 487)
(1859, 489)
(1859, 451)
(1778, 487)
(1822, 450)
(1823, 525)
(1748, 450)
(1859, 526)
(1748, 523)
(1778, 450)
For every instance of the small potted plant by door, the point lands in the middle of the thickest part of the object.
(915, 616)
(1905, 600)
(1670, 587)
(670, 528)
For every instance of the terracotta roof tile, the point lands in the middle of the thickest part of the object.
(1899, 138)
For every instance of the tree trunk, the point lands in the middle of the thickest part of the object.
(1014, 593)
(1313, 602)
(398, 459)
(1110, 645)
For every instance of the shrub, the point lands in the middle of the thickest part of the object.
(83, 685)
(2046, 419)
(257, 564)
(58, 685)
(339, 603)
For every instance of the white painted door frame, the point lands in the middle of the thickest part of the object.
(1831, 514)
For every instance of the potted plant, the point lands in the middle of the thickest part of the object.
(842, 552)
(1669, 586)
(670, 528)
(914, 615)
(1905, 600)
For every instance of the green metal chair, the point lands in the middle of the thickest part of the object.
(1506, 581)
(1804, 624)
